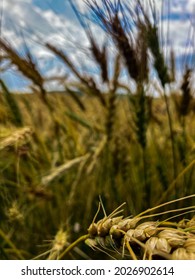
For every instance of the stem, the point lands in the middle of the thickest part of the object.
(10, 243)
(130, 250)
(173, 184)
(146, 183)
(184, 151)
(72, 245)
(172, 141)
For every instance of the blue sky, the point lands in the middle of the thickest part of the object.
(38, 21)
(58, 6)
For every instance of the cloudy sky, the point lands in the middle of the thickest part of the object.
(34, 22)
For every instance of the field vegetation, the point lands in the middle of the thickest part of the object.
(68, 159)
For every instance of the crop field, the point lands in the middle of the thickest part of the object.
(99, 172)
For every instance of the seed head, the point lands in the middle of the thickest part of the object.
(174, 237)
(189, 245)
(151, 244)
(60, 240)
(180, 254)
(14, 213)
(163, 245)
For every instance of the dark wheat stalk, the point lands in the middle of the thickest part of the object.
(184, 109)
(141, 122)
(111, 115)
(112, 99)
(161, 68)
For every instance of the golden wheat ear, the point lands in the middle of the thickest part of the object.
(153, 238)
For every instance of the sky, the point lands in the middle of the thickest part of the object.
(31, 23)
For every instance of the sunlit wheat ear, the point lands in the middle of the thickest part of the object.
(145, 240)
(14, 213)
(58, 244)
(16, 138)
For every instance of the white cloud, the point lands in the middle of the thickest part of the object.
(22, 15)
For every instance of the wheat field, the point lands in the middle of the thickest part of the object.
(68, 158)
